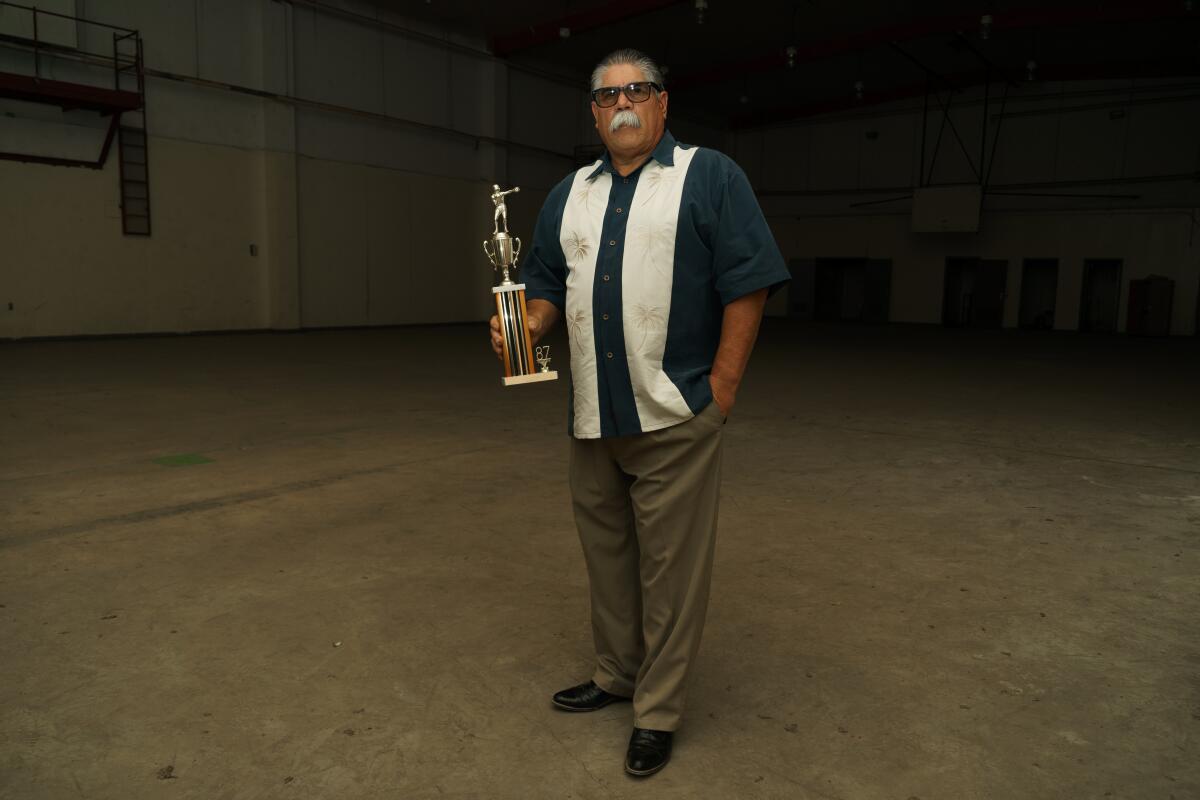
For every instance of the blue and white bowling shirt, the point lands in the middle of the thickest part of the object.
(641, 268)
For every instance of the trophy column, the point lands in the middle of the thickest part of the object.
(519, 354)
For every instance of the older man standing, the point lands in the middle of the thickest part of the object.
(661, 261)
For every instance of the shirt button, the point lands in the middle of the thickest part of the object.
(605, 277)
(610, 355)
(605, 317)
(618, 211)
(624, 180)
(612, 242)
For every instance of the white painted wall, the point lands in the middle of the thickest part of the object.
(365, 218)
(376, 217)
(811, 174)
(67, 269)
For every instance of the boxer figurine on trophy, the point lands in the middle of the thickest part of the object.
(502, 250)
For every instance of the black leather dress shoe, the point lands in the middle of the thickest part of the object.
(585, 697)
(649, 751)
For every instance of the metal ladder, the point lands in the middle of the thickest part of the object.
(132, 141)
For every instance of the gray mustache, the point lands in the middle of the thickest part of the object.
(623, 118)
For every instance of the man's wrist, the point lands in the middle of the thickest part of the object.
(724, 393)
(728, 384)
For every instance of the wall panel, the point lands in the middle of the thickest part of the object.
(1090, 146)
(416, 82)
(334, 247)
(545, 113)
(1163, 139)
(71, 272)
(339, 61)
(229, 41)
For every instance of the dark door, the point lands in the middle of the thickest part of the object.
(1150, 301)
(1039, 293)
(1101, 298)
(991, 280)
(973, 293)
(829, 288)
(800, 290)
(877, 290)
(852, 289)
(958, 284)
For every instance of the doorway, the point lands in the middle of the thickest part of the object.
(1150, 304)
(801, 288)
(852, 290)
(1100, 302)
(1039, 293)
(973, 293)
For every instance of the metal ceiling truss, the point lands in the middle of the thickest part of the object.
(506, 44)
(1121, 11)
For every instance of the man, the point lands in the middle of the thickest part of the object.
(661, 261)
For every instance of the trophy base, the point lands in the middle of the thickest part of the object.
(533, 377)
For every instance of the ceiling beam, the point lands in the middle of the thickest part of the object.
(1108, 70)
(1119, 11)
(505, 44)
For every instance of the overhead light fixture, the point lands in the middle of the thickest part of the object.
(858, 90)
(701, 8)
(791, 56)
(1031, 70)
(985, 26)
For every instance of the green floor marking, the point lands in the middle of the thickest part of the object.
(183, 460)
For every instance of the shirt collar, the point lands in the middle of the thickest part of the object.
(664, 153)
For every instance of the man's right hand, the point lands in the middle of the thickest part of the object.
(535, 334)
(497, 339)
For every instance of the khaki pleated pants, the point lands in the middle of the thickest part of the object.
(646, 509)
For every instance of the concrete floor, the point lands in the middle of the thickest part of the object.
(951, 565)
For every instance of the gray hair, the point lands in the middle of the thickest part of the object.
(627, 56)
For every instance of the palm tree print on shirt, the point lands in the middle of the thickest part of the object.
(647, 320)
(576, 248)
(655, 181)
(577, 325)
(585, 193)
(655, 244)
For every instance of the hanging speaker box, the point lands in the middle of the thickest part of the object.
(947, 209)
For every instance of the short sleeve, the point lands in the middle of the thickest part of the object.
(544, 272)
(745, 255)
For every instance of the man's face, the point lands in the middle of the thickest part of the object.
(627, 140)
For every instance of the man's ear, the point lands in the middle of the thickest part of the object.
(662, 102)
(596, 114)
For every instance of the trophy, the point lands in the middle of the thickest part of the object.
(519, 355)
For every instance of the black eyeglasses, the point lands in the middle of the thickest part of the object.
(637, 92)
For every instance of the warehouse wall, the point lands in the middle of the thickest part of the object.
(270, 214)
(67, 269)
(1149, 242)
(1136, 140)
